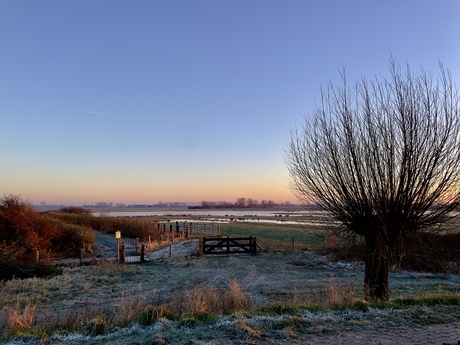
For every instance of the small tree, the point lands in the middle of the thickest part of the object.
(383, 158)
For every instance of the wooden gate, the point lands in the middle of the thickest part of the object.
(131, 251)
(228, 245)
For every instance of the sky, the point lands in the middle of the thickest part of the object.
(186, 100)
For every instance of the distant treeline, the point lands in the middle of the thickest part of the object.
(242, 203)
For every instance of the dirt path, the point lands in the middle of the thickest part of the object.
(106, 248)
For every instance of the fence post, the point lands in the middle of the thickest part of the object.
(142, 252)
(137, 244)
(170, 249)
(202, 241)
(218, 229)
(254, 246)
(123, 254)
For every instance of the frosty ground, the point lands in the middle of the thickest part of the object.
(292, 279)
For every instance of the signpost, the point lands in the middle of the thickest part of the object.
(118, 237)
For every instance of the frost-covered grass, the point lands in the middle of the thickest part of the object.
(248, 298)
(262, 327)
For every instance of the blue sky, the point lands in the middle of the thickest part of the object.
(181, 100)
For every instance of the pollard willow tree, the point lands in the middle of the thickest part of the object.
(383, 158)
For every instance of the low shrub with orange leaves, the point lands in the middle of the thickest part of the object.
(28, 236)
(24, 234)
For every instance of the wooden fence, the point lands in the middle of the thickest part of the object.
(228, 245)
(170, 230)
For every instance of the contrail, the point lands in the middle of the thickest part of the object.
(96, 113)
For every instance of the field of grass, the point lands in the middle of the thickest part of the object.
(279, 236)
(285, 292)
(193, 292)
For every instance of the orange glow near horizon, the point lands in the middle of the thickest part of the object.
(59, 191)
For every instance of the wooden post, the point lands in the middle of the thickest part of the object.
(123, 254)
(218, 229)
(170, 249)
(137, 244)
(82, 254)
(202, 239)
(254, 246)
(142, 252)
(38, 256)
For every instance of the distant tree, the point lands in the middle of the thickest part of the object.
(252, 203)
(383, 157)
(205, 205)
(240, 202)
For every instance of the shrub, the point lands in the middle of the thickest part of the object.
(129, 227)
(71, 237)
(426, 251)
(24, 234)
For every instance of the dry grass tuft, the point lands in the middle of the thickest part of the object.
(253, 332)
(205, 300)
(340, 295)
(17, 319)
(128, 308)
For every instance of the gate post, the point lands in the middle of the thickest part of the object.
(142, 252)
(202, 241)
(123, 254)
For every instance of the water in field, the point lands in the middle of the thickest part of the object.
(213, 213)
(225, 215)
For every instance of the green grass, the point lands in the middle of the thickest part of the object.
(278, 234)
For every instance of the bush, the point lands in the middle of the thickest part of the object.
(429, 252)
(71, 237)
(129, 227)
(24, 234)
(423, 251)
